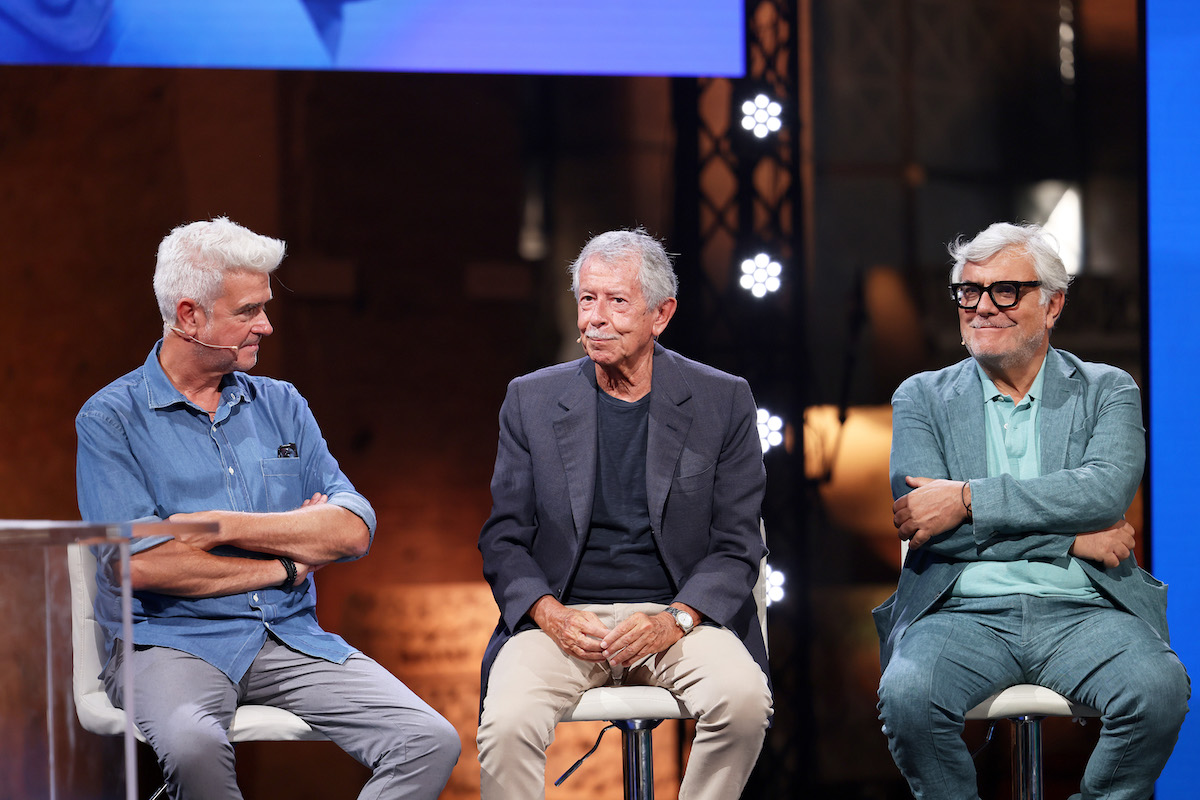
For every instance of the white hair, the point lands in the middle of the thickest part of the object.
(193, 260)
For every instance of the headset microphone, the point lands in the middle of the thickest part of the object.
(186, 337)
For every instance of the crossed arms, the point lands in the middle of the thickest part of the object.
(115, 484)
(1076, 510)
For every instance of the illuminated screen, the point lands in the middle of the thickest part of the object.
(612, 37)
(1173, 175)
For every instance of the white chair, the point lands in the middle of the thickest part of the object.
(1025, 705)
(98, 715)
(637, 710)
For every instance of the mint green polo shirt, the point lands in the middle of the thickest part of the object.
(1013, 448)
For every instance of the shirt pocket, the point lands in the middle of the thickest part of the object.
(281, 477)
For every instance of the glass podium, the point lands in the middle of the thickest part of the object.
(45, 752)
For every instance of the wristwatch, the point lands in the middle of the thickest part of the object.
(682, 618)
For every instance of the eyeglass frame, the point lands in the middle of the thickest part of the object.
(956, 287)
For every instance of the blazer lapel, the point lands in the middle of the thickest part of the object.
(575, 430)
(670, 422)
(1060, 387)
(965, 409)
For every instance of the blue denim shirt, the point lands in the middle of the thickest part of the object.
(147, 452)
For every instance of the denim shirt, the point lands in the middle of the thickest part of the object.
(147, 452)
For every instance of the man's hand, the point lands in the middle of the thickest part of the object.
(303, 571)
(577, 633)
(932, 507)
(639, 636)
(200, 541)
(1109, 546)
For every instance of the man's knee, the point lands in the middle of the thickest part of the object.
(441, 738)
(742, 706)
(510, 718)
(1163, 694)
(191, 752)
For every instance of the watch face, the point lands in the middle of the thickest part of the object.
(683, 618)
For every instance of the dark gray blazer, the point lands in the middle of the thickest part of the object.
(1093, 450)
(704, 482)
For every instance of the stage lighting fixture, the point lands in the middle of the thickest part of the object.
(761, 116)
(774, 581)
(760, 275)
(1066, 41)
(770, 430)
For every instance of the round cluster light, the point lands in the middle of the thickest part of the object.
(760, 275)
(770, 430)
(760, 116)
(774, 585)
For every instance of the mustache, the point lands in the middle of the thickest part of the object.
(596, 336)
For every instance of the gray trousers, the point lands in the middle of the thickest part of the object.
(184, 707)
(533, 683)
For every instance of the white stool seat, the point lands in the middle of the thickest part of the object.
(626, 702)
(1024, 705)
(1029, 700)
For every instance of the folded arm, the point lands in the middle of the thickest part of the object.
(317, 533)
(1012, 519)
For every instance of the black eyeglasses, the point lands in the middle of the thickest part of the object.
(1004, 294)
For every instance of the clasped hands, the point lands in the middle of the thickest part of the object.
(937, 505)
(581, 633)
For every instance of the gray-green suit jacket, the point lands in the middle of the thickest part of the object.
(1093, 450)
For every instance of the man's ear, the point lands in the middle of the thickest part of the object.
(663, 315)
(1054, 309)
(189, 316)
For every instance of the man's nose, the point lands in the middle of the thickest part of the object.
(598, 314)
(986, 304)
(262, 326)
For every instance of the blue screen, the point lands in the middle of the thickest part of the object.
(614, 37)
(1173, 175)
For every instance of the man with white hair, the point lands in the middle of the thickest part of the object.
(1012, 471)
(226, 619)
(624, 540)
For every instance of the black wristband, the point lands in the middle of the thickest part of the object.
(290, 566)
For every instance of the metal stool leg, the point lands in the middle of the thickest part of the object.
(637, 764)
(1027, 758)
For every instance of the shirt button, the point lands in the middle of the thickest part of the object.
(256, 597)
(231, 468)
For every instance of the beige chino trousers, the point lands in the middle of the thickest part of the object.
(533, 683)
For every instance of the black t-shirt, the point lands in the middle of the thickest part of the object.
(621, 563)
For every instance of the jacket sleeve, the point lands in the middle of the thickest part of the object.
(1033, 518)
(1085, 496)
(720, 584)
(506, 540)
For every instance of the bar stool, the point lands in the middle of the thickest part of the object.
(1025, 705)
(637, 710)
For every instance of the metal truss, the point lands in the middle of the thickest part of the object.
(739, 195)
